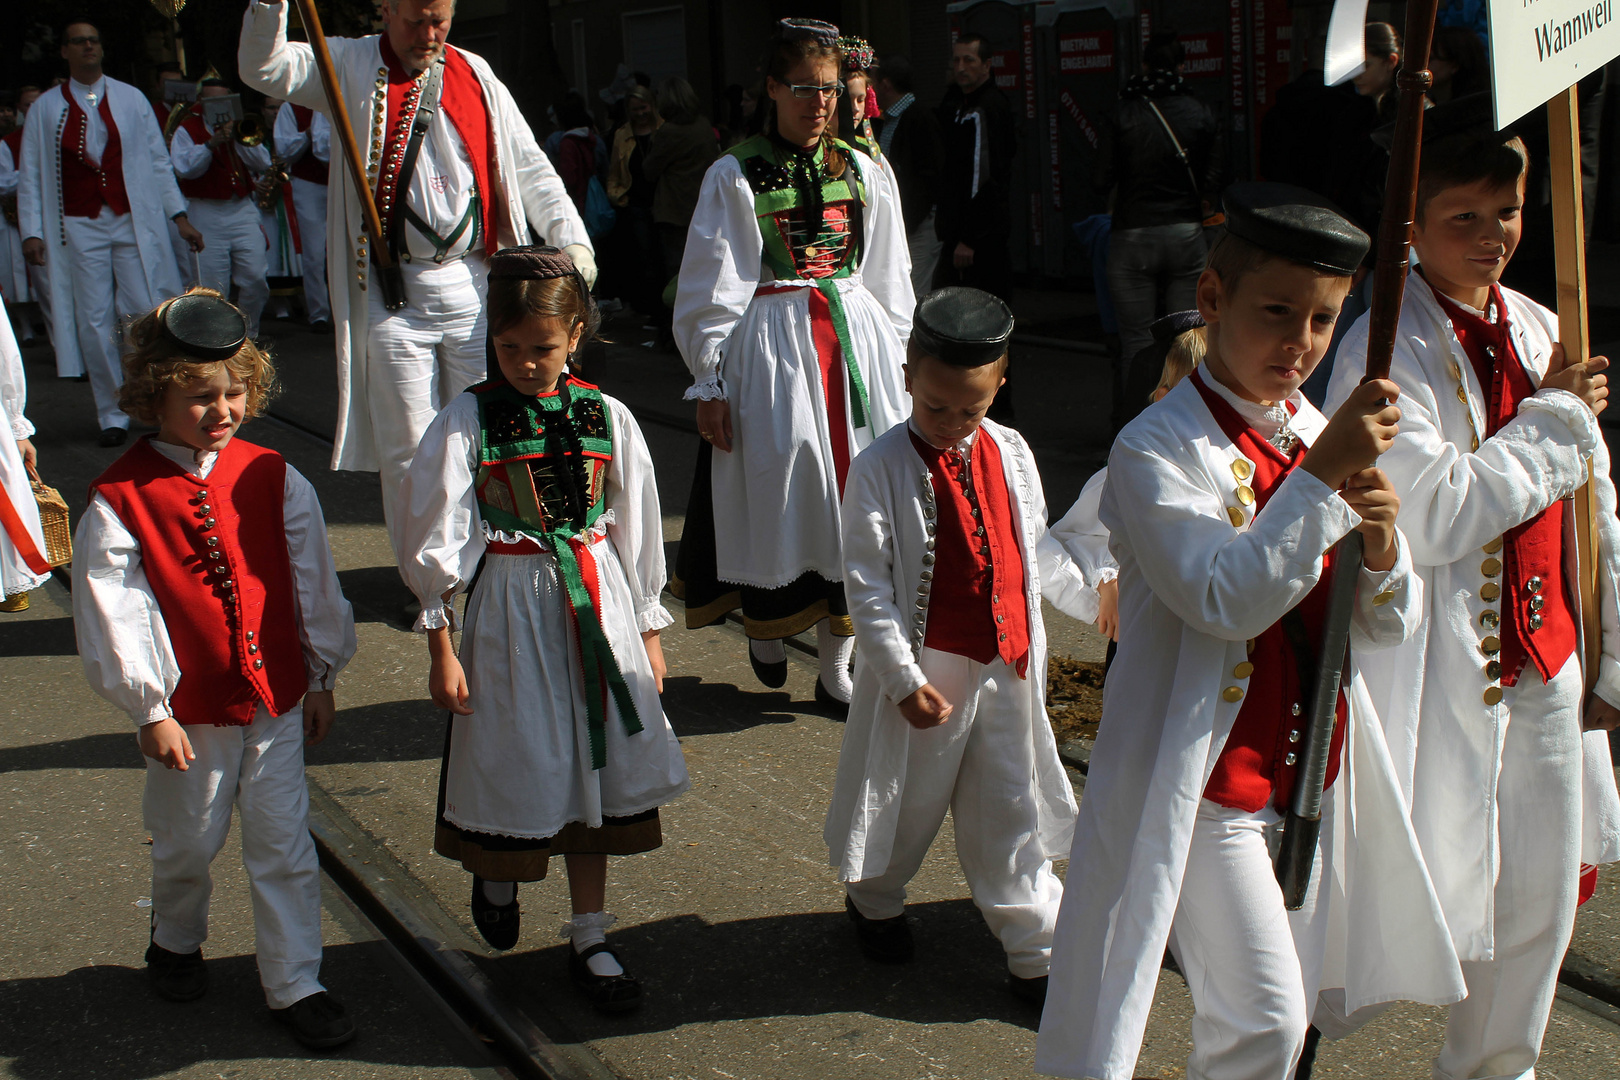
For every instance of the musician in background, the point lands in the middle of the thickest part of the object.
(304, 140)
(214, 167)
(93, 205)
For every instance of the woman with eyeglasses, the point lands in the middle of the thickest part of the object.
(793, 309)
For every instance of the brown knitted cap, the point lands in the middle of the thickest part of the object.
(529, 263)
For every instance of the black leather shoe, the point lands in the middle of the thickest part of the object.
(176, 976)
(772, 675)
(888, 941)
(318, 1021)
(825, 697)
(113, 436)
(499, 923)
(1030, 990)
(609, 993)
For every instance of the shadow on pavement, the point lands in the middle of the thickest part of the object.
(697, 707)
(806, 964)
(103, 1021)
(37, 637)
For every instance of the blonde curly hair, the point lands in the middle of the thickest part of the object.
(154, 364)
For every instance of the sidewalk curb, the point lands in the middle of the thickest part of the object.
(1590, 978)
(411, 918)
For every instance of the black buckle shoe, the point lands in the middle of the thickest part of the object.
(1030, 990)
(113, 436)
(888, 941)
(772, 675)
(609, 993)
(499, 924)
(318, 1021)
(176, 976)
(825, 698)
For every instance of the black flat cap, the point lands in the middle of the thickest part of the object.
(963, 327)
(1173, 325)
(1294, 224)
(204, 326)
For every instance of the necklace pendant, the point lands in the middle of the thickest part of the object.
(1285, 440)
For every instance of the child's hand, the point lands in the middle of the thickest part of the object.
(655, 657)
(1108, 609)
(1371, 495)
(1582, 380)
(925, 708)
(1600, 715)
(320, 708)
(166, 741)
(447, 682)
(1363, 428)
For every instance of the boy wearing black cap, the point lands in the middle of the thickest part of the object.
(1223, 502)
(946, 559)
(1484, 705)
(207, 607)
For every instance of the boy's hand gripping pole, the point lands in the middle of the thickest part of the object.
(388, 275)
(1302, 825)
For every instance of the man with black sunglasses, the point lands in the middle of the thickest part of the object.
(94, 203)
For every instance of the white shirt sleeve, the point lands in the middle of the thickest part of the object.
(886, 262)
(9, 176)
(122, 638)
(291, 143)
(719, 273)
(637, 531)
(437, 533)
(1084, 537)
(320, 138)
(256, 158)
(13, 384)
(190, 160)
(325, 619)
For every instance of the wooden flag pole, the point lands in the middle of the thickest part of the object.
(1569, 240)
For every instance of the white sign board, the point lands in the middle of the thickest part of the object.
(1540, 48)
(1346, 42)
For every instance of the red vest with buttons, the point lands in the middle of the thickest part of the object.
(224, 180)
(86, 187)
(1257, 763)
(1537, 622)
(977, 606)
(215, 554)
(308, 166)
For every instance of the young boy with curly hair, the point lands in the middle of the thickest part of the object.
(207, 607)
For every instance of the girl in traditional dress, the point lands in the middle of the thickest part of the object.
(793, 311)
(558, 744)
(22, 544)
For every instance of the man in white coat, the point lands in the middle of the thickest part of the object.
(1485, 707)
(448, 196)
(96, 195)
(303, 139)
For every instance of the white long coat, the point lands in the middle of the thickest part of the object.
(885, 537)
(154, 198)
(1192, 590)
(1452, 503)
(529, 193)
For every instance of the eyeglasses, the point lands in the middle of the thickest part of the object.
(810, 90)
(84, 39)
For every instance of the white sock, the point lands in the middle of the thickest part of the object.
(835, 653)
(500, 893)
(587, 929)
(768, 652)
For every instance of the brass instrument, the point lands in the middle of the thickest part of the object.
(178, 115)
(270, 183)
(250, 130)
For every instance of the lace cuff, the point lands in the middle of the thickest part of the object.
(21, 428)
(707, 389)
(654, 616)
(434, 618)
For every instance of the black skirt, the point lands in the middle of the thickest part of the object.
(767, 614)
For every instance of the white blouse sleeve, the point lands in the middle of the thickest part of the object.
(13, 384)
(291, 143)
(325, 619)
(886, 263)
(637, 530)
(1084, 537)
(719, 273)
(123, 640)
(190, 160)
(438, 535)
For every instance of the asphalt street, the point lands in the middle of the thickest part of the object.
(735, 926)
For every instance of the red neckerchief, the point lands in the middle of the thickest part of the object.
(1482, 338)
(462, 100)
(1239, 430)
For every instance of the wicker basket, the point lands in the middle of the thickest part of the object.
(54, 522)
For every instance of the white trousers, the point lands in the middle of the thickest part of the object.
(979, 765)
(420, 357)
(924, 247)
(260, 770)
(233, 251)
(309, 203)
(109, 284)
(1496, 1031)
(40, 278)
(1247, 959)
(183, 255)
